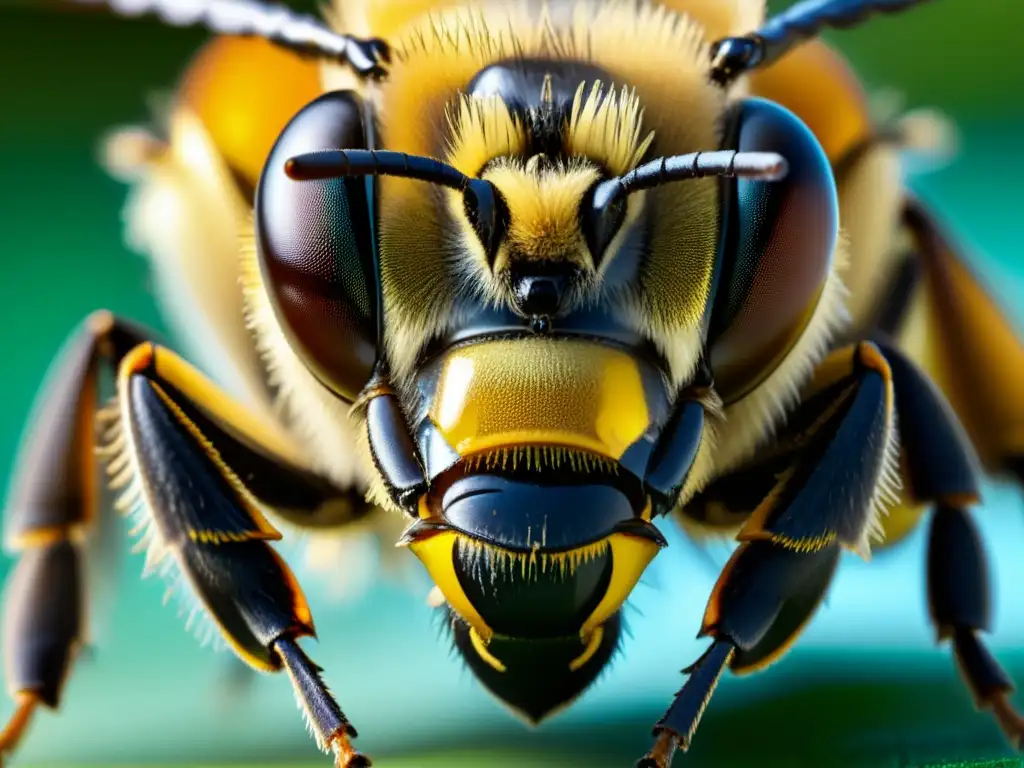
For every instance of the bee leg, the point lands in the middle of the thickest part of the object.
(205, 466)
(942, 469)
(202, 469)
(677, 726)
(958, 595)
(52, 510)
(763, 599)
(837, 445)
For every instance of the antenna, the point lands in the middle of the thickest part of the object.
(764, 166)
(302, 34)
(734, 56)
(483, 202)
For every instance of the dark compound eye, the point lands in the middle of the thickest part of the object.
(315, 248)
(780, 238)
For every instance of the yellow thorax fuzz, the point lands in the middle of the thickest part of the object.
(606, 127)
(541, 458)
(544, 210)
(481, 130)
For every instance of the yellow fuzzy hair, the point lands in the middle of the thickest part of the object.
(870, 195)
(750, 422)
(604, 126)
(183, 212)
(482, 129)
(722, 18)
(544, 222)
(662, 55)
(388, 18)
(607, 128)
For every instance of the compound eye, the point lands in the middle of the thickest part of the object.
(315, 248)
(780, 238)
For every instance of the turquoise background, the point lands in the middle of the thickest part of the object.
(866, 685)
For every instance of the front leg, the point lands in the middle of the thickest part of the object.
(818, 490)
(198, 470)
(199, 474)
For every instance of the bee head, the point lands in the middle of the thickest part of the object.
(539, 453)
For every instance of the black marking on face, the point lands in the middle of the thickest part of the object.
(540, 92)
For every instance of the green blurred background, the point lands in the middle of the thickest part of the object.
(865, 687)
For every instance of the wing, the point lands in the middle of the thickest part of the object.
(958, 333)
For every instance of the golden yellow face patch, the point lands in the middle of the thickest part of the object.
(601, 133)
(552, 392)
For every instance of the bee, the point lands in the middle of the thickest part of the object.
(531, 280)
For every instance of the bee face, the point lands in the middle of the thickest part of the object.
(537, 524)
(537, 336)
